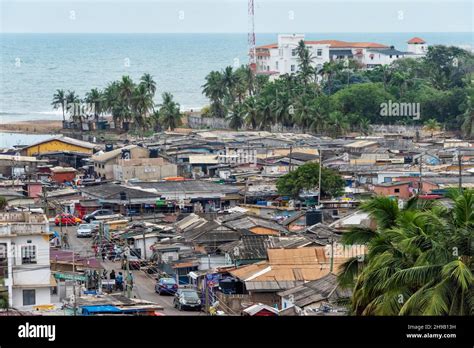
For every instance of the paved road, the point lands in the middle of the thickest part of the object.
(144, 284)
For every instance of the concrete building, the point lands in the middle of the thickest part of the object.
(104, 162)
(281, 58)
(24, 259)
(144, 169)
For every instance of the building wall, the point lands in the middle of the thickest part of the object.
(375, 58)
(43, 297)
(404, 192)
(62, 177)
(28, 276)
(52, 146)
(145, 172)
(106, 169)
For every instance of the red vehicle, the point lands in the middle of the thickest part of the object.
(67, 220)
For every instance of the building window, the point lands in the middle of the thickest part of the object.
(29, 297)
(397, 190)
(319, 52)
(397, 55)
(3, 261)
(28, 254)
(293, 52)
(276, 65)
(292, 67)
(390, 56)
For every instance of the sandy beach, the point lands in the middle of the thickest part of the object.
(33, 127)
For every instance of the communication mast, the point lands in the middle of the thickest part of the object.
(251, 36)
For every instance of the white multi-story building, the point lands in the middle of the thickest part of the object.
(24, 259)
(281, 58)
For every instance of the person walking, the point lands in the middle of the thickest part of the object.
(112, 275)
(104, 254)
(119, 281)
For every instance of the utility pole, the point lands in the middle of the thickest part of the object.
(460, 170)
(128, 277)
(207, 295)
(320, 169)
(332, 255)
(421, 174)
(74, 282)
(45, 202)
(291, 152)
(144, 245)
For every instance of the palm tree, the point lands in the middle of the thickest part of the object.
(72, 100)
(418, 261)
(432, 126)
(303, 111)
(337, 124)
(236, 117)
(251, 112)
(265, 106)
(328, 71)
(305, 59)
(168, 114)
(126, 88)
(96, 98)
(364, 126)
(283, 109)
(59, 99)
(229, 81)
(149, 83)
(142, 105)
(113, 102)
(214, 90)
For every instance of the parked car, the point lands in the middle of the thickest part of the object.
(187, 299)
(66, 219)
(101, 212)
(85, 230)
(166, 286)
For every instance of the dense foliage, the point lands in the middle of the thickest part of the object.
(340, 96)
(306, 177)
(419, 259)
(126, 101)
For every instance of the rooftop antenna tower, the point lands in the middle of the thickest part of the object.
(251, 36)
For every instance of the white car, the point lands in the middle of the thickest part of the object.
(84, 230)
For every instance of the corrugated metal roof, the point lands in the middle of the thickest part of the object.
(203, 159)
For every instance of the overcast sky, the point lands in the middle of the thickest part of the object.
(224, 16)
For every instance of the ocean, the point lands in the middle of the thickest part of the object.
(33, 66)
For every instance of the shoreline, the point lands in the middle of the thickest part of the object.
(32, 127)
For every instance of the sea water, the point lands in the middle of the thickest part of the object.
(34, 66)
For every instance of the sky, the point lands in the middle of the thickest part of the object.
(230, 16)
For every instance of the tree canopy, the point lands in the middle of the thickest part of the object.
(306, 177)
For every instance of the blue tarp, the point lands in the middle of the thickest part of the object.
(91, 310)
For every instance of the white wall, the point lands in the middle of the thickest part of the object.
(43, 296)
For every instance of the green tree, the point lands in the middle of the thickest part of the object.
(418, 261)
(306, 177)
(59, 100)
(215, 90)
(3, 203)
(236, 117)
(141, 105)
(432, 126)
(96, 98)
(168, 114)
(251, 112)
